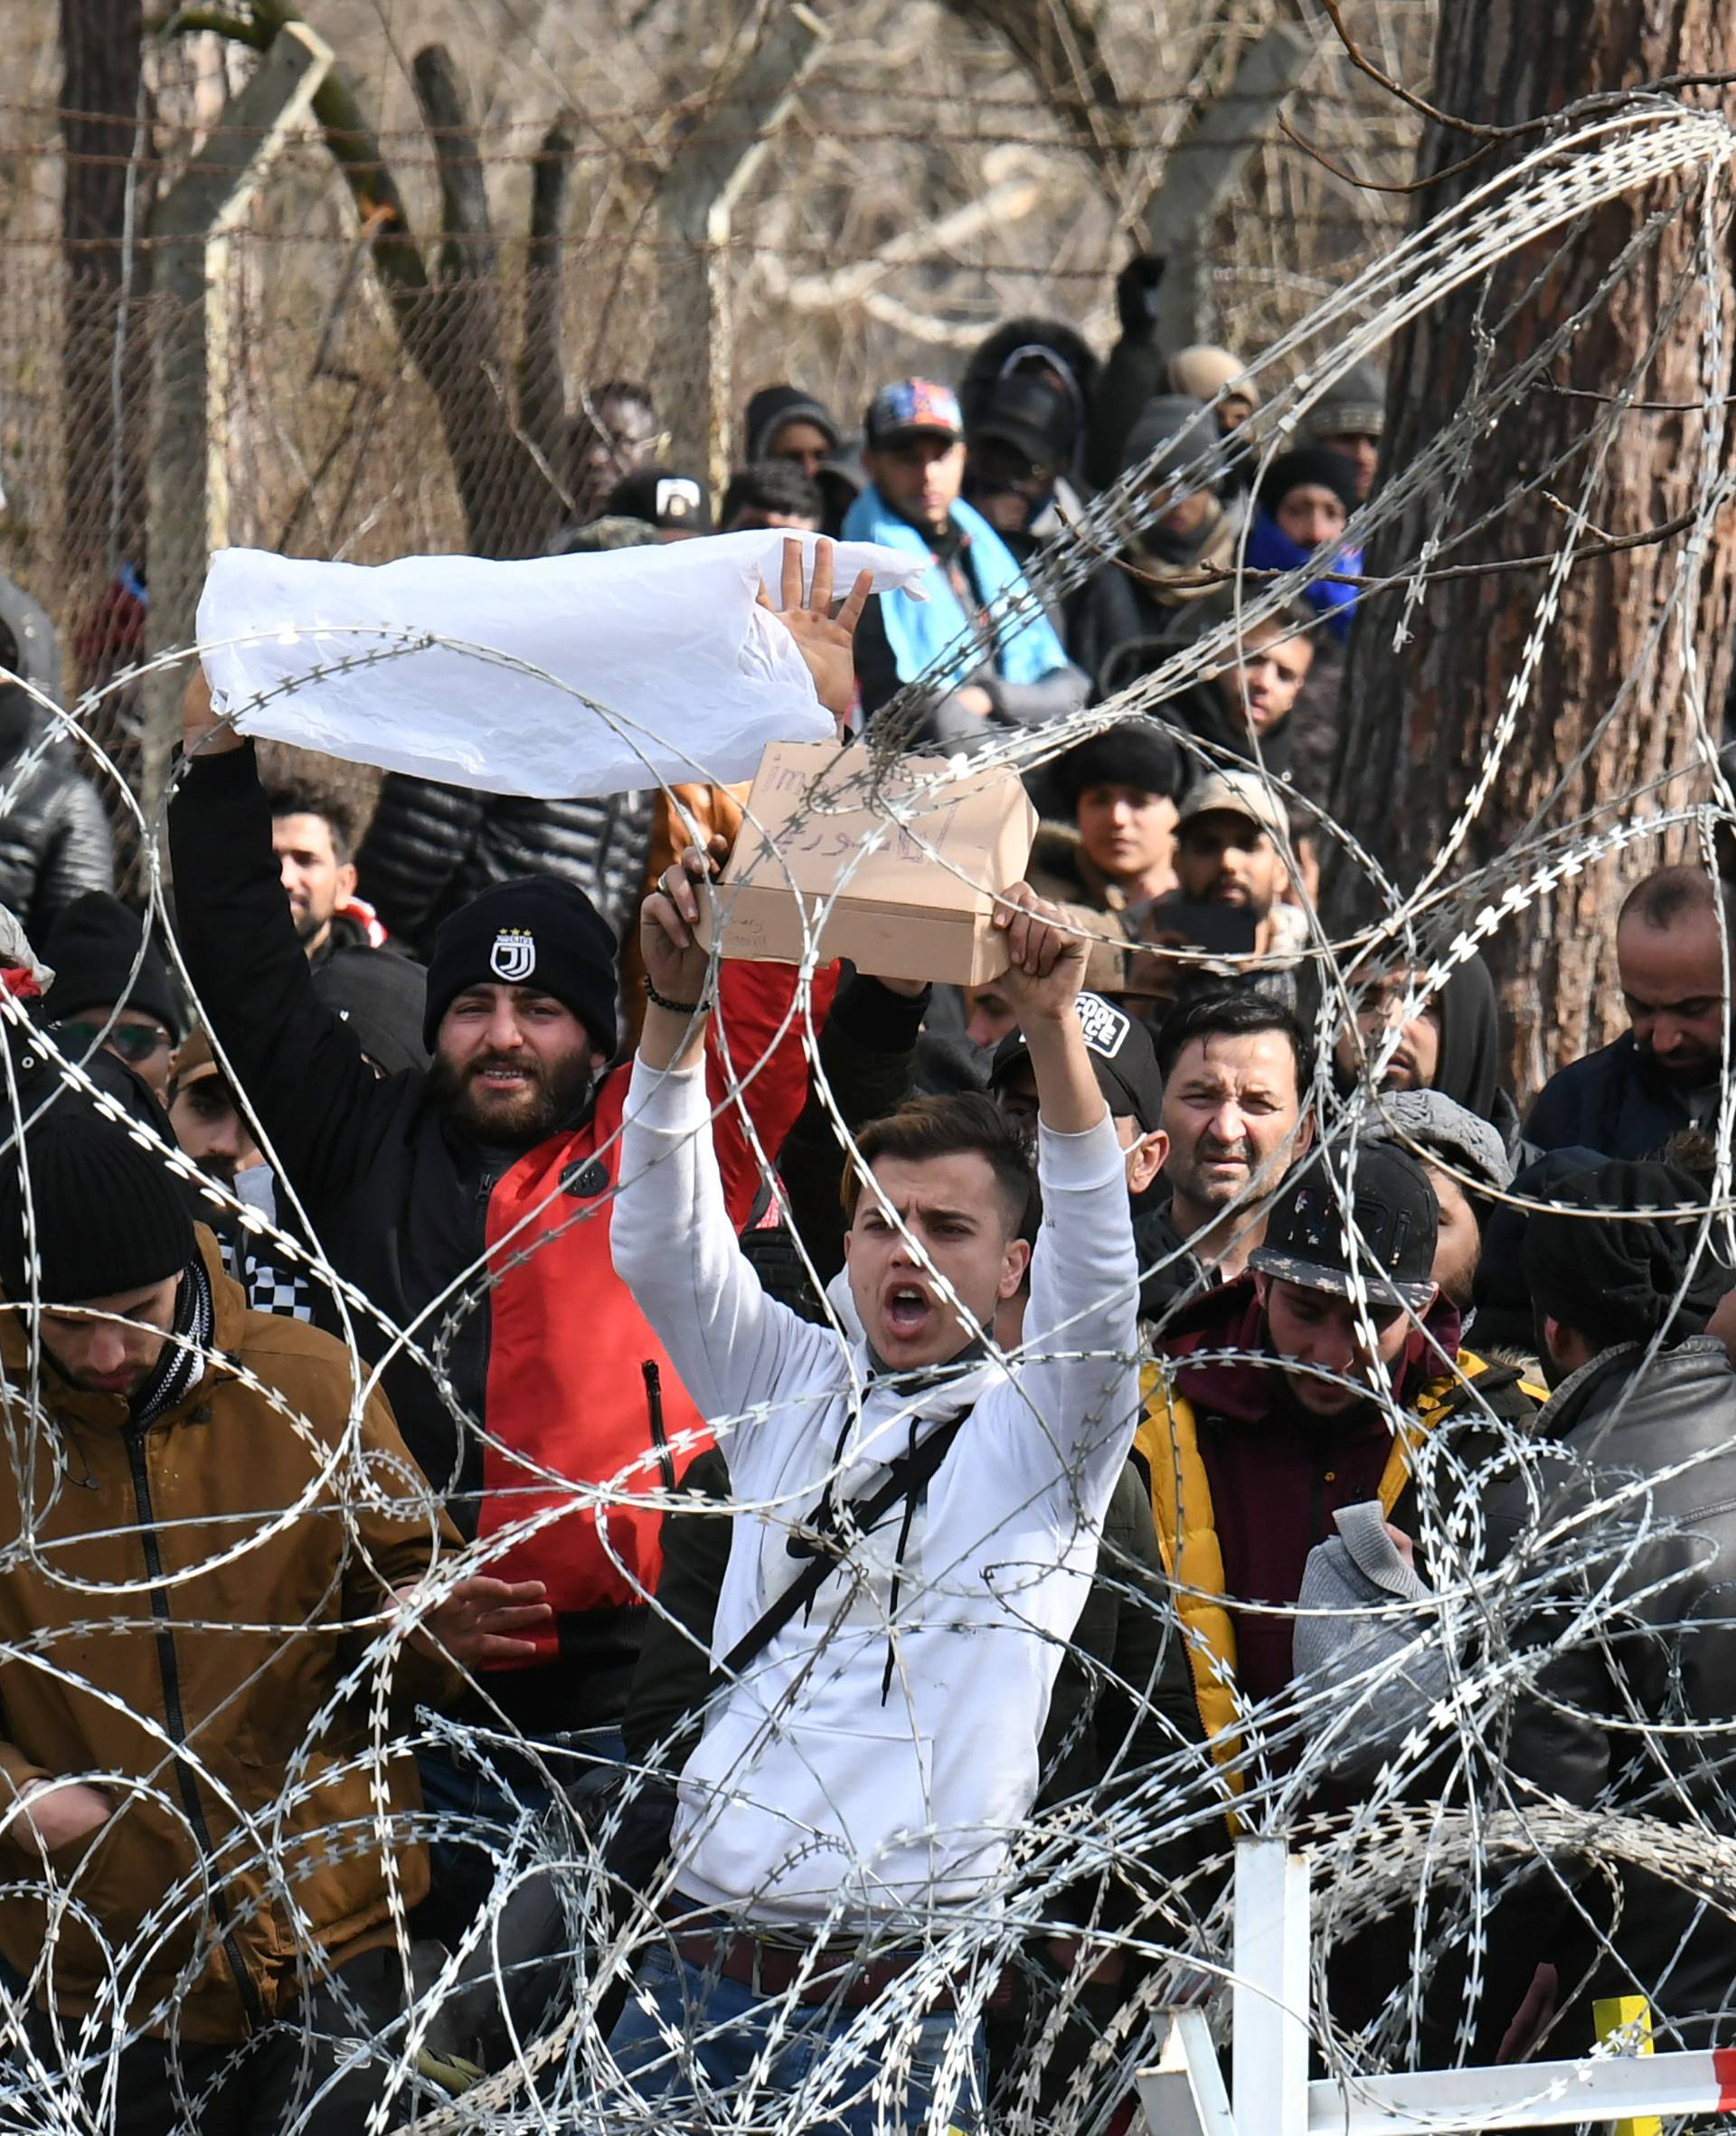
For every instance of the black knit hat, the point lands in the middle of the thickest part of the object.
(108, 1216)
(1615, 1277)
(380, 998)
(1315, 466)
(535, 931)
(775, 406)
(1135, 756)
(90, 950)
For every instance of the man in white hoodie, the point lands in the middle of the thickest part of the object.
(848, 1820)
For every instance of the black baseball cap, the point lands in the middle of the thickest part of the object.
(1397, 1218)
(1123, 1060)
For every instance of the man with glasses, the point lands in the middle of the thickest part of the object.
(95, 997)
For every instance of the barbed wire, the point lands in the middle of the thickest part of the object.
(1105, 1902)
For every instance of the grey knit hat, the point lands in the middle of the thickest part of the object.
(1355, 407)
(1161, 422)
(1439, 1126)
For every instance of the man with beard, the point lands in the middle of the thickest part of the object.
(146, 1773)
(1229, 852)
(1662, 1074)
(1449, 1040)
(472, 1203)
(314, 842)
(208, 1124)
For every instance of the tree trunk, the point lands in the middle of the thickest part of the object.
(454, 336)
(1420, 719)
(103, 518)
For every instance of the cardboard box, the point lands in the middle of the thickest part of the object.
(917, 906)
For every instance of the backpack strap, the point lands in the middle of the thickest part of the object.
(907, 1477)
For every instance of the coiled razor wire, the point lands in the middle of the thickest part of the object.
(1111, 1904)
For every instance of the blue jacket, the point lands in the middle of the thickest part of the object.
(1610, 1102)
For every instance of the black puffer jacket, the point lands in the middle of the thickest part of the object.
(1633, 1709)
(430, 848)
(54, 840)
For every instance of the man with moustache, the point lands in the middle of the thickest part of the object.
(1236, 1073)
(1663, 1073)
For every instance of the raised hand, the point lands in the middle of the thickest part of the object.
(675, 962)
(824, 641)
(200, 730)
(1048, 957)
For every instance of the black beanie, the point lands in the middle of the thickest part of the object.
(90, 950)
(1615, 1278)
(537, 930)
(109, 1217)
(1309, 466)
(382, 998)
(773, 406)
(1122, 756)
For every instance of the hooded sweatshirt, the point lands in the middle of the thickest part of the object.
(881, 1753)
(1277, 1472)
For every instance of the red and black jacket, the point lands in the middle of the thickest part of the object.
(552, 1359)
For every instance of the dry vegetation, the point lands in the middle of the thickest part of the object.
(925, 183)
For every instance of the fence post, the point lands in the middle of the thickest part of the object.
(1268, 2041)
(1204, 168)
(695, 209)
(189, 487)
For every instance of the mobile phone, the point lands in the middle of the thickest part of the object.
(1202, 923)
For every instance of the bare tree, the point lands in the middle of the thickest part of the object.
(1420, 716)
(501, 418)
(104, 219)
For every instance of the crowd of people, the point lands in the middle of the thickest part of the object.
(824, 1500)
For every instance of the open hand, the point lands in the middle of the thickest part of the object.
(1048, 957)
(823, 639)
(476, 1620)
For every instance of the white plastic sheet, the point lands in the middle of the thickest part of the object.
(694, 678)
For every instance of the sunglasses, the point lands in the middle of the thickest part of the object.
(132, 1042)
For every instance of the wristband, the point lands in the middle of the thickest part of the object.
(676, 1008)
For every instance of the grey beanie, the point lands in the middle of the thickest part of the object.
(1439, 1126)
(1161, 422)
(1355, 407)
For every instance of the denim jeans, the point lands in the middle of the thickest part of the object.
(884, 2087)
(487, 1792)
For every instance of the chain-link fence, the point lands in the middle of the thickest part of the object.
(352, 297)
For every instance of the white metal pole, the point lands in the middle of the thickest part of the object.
(1269, 1994)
